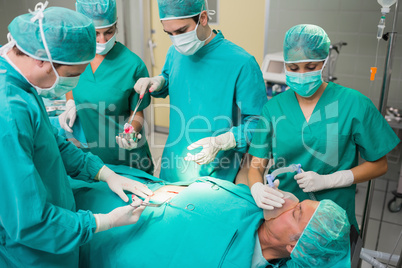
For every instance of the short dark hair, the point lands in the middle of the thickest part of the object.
(196, 18)
(19, 53)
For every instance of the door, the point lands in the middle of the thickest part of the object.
(241, 23)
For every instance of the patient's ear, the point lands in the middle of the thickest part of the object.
(290, 247)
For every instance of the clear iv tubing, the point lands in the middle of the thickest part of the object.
(292, 168)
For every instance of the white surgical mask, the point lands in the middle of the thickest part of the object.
(104, 48)
(62, 85)
(188, 43)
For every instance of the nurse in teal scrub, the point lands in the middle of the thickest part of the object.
(40, 226)
(216, 95)
(104, 98)
(322, 126)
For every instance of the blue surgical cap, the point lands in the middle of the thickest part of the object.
(325, 241)
(102, 12)
(180, 9)
(70, 36)
(305, 42)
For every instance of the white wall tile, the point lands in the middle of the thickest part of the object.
(368, 22)
(349, 21)
(345, 65)
(11, 9)
(329, 5)
(352, 46)
(356, 5)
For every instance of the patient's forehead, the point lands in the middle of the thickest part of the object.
(308, 208)
(310, 203)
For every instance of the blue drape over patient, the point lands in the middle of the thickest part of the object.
(211, 223)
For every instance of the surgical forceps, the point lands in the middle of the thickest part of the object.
(148, 204)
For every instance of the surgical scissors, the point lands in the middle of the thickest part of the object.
(147, 204)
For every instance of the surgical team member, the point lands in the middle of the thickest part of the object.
(322, 126)
(104, 98)
(216, 95)
(39, 226)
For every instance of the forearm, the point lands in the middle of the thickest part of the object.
(256, 171)
(79, 165)
(370, 170)
(138, 120)
(69, 96)
(254, 176)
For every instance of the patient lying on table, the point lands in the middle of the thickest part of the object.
(213, 223)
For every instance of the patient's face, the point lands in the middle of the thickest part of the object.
(292, 221)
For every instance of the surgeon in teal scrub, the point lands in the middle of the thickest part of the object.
(39, 226)
(216, 95)
(104, 98)
(322, 126)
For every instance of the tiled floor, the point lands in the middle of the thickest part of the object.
(384, 227)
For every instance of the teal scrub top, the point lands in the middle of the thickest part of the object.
(39, 225)
(343, 124)
(211, 223)
(218, 89)
(104, 101)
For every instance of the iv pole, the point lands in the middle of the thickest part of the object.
(382, 108)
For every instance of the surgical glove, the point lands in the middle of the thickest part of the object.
(67, 118)
(149, 83)
(310, 181)
(267, 197)
(126, 144)
(119, 183)
(211, 147)
(120, 216)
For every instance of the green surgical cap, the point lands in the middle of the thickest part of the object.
(70, 36)
(325, 241)
(180, 9)
(305, 42)
(102, 12)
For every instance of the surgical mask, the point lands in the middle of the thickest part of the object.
(188, 43)
(62, 85)
(103, 49)
(305, 84)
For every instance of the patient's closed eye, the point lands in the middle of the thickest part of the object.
(297, 211)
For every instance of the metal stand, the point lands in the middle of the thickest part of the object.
(399, 264)
(391, 37)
